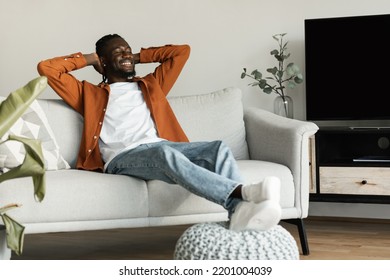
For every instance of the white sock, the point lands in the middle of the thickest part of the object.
(255, 216)
(268, 189)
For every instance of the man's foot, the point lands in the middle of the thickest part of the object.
(255, 216)
(268, 189)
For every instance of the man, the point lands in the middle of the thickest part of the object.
(130, 129)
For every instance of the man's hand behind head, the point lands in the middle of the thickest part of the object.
(94, 60)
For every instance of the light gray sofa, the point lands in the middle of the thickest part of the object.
(263, 143)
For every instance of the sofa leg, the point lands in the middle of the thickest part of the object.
(302, 234)
(5, 252)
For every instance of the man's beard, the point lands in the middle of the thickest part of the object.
(127, 75)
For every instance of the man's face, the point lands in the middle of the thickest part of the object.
(119, 59)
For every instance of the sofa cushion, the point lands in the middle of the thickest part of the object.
(173, 200)
(213, 116)
(67, 126)
(76, 195)
(32, 124)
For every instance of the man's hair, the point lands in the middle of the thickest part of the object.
(103, 42)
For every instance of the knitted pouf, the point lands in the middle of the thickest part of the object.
(214, 241)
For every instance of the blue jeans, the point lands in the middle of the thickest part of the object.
(207, 169)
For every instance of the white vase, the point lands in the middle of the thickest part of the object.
(5, 252)
(283, 106)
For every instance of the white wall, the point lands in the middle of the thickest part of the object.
(225, 36)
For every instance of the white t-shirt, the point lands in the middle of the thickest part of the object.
(127, 122)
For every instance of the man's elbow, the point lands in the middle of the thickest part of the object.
(41, 67)
(186, 50)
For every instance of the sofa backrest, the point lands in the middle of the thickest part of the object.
(214, 116)
(206, 117)
(67, 127)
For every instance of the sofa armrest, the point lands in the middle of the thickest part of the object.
(285, 141)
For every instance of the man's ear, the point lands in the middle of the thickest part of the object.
(98, 65)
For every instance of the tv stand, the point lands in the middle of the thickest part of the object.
(369, 127)
(351, 165)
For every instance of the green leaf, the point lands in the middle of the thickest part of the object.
(15, 234)
(292, 69)
(274, 52)
(262, 83)
(279, 36)
(18, 101)
(298, 79)
(291, 84)
(243, 75)
(279, 57)
(272, 70)
(32, 165)
(268, 90)
(257, 75)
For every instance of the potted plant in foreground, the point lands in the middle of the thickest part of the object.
(280, 76)
(33, 165)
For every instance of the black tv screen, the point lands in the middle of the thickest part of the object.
(347, 63)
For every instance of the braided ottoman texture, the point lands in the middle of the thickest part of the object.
(214, 241)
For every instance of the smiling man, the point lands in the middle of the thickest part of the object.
(130, 129)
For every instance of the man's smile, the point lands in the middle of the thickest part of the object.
(126, 62)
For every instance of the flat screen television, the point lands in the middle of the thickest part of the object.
(347, 62)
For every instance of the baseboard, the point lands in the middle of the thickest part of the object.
(348, 219)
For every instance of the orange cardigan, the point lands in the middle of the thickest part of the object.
(91, 100)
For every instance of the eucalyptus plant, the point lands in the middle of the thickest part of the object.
(280, 74)
(33, 164)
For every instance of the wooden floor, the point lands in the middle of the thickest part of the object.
(329, 239)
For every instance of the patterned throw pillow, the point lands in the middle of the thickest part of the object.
(32, 124)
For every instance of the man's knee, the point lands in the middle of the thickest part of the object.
(163, 152)
(222, 145)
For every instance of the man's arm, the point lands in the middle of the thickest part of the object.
(172, 59)
(57, 70)
(93, 60)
